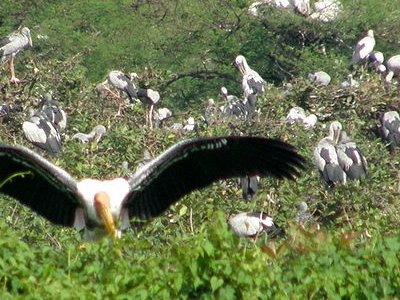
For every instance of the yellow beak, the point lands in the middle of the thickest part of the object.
(102, 205)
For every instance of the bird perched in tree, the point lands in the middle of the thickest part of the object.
(95, 135)
(393, 68)
(349, 82)
(235, 107)
(43, 129)
(12, 45)
(149, 97)
(363, 48)
(350, 158)
(319, 78)
(390, 129)
(326, 158)
(123, 84)
(252, 224)
(252, 83)
(106, 207)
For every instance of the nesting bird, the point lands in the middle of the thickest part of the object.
(11, 46)
(390, 129)
(123, 84)
(349, 82)
(338, 158)
(393, 68)
(43, 129)
(363, 48)
(106, 207)
(252, 224)
(235, 107)
(319, 78)
(95, 135)
(298, 115)
(252, 83)
(326, 159)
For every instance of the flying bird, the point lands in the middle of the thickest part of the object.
(252, 224)
(11, 46)
(390, 129)
(106, 207)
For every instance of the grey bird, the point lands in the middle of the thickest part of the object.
(350, 157)
(53, 112)
(123, 84)
(95, 135)
(252, 83)
(235, 107)
(149, 97)
(11, 46)
(390, 129)
(326, 159)
(249, 185)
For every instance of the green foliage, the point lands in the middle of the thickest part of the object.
(185, 50)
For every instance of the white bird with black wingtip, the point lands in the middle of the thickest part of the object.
(106, 207)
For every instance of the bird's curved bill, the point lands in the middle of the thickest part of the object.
(102, 203)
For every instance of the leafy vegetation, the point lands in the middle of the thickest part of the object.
(185, 50)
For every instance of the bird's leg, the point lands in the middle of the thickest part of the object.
(120, 103)
(111, 92)
(13, 78)
(151, 116)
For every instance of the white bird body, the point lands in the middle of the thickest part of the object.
(363, 48)
(319, 77)
(189, 126)
(390, 129)
(393, 68)
(349, 82)
(295, 115)
(310, 121)
(376, 58)
(104, 207)
(326, 10)
(250, 224)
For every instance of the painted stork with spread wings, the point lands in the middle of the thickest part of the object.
(11, 45)
(106, 207)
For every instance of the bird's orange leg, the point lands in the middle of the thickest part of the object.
(151, 116)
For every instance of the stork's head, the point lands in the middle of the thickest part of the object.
(25, 31)
(241, 64)
(334, 130)
(102, 206)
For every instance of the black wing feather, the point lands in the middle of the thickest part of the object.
(196, 163)
(47, 190)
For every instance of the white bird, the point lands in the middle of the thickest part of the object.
(393, 68)
(12, 45)
(161, 115)
(349, 82)
(190, 124)
(363, 48)
(350, 157)
(376, 58)
(326, 159)
(95, 135)
(252, 224)
(319, 77)
(106, 207)
(310, 121)
(252, 83)
(390, 129)
(326, 10)
(295, 115)
(122, 83)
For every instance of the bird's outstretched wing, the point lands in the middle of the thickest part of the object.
(196, 163)
(38, 184)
